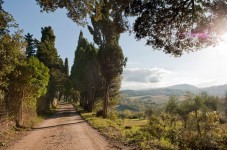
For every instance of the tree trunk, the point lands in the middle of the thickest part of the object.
(47, 104)
(185, 124)
(19, 118)
(60, 96)
(106, 101)
(89, 105)
(91, 99)
(81, 101)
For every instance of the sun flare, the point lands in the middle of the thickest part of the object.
(224, 36)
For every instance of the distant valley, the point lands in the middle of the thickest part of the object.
(135, 100)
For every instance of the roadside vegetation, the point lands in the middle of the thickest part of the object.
(32, 77)
(195, 123)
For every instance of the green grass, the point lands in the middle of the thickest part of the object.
(107, 127)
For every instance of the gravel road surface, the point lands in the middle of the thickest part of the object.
(66, 130)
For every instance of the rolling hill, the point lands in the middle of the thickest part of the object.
(177, 90)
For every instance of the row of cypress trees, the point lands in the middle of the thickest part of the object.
(87, 78)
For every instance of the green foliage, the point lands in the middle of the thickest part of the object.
(39, 76)
(66, 67)
(165, 131)
(10, 52)
(7, 21)
(85, 73)
(27, 83)
(47, 53)
(11, 46)
(172, 25)
(110, 55)
(171, 106)
(31, 45)
(22, 81)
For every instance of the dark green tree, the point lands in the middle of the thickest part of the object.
(85, 72)
(66, 67)
(76, 70)
(31, 45)
(110, 55)
(67, 91)
(47, 53)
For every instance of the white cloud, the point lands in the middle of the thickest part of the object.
(147, 78)
(144, 75)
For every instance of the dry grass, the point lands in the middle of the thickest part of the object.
(135, 122)
(9, 134)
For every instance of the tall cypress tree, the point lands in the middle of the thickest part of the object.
(31, 45)
(47, 53)
(85, 72)
(66, 67)
(111, 59)
(75, 71)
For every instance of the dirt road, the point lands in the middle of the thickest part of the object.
(66, 130)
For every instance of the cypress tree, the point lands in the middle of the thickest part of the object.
(85, 73)
(66, 67)
(47, 53)
(31, 45)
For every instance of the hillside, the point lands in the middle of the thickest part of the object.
(177, 90)
(153, 92)
(216, 90)
(184, 87)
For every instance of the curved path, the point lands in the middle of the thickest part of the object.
(66, 130)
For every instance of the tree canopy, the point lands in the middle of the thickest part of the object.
(171, 26)
(178, 26)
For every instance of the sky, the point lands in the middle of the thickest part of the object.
(146, 68)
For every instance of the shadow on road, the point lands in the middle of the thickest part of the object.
(66, 110)
(58, 125)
